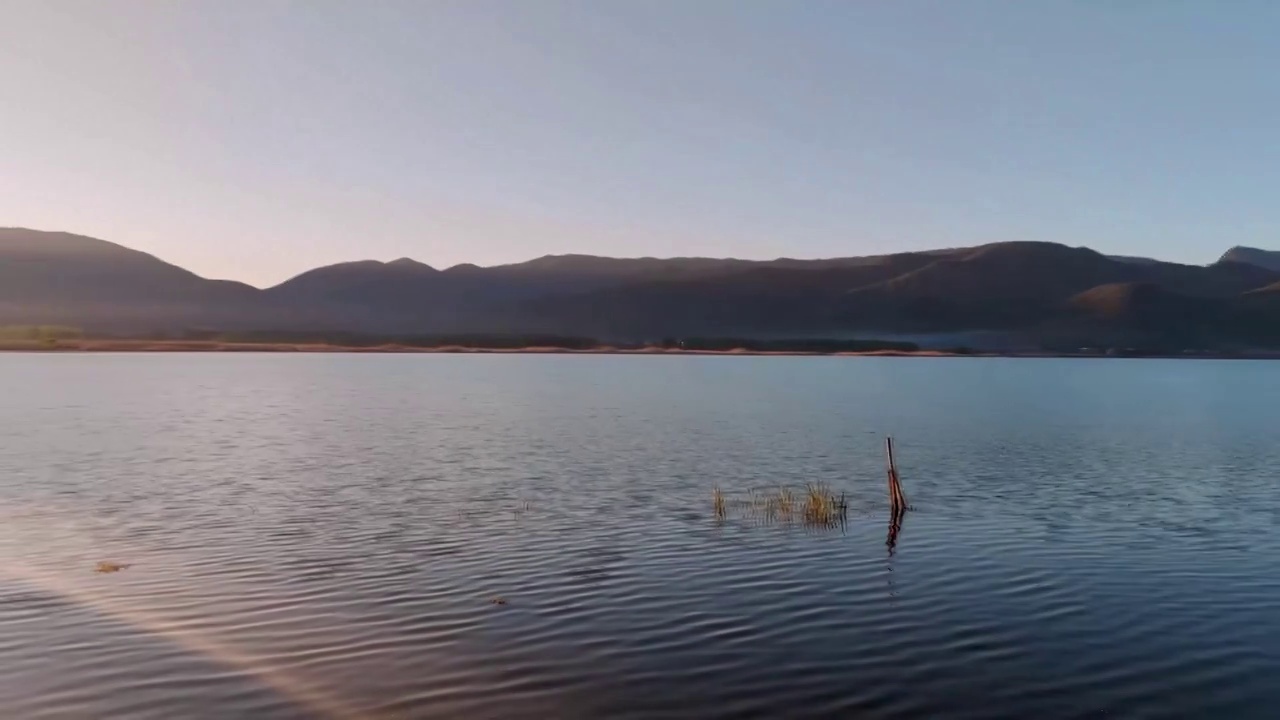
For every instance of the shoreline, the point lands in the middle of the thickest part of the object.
(210, 346)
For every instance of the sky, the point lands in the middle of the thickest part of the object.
(254, 139)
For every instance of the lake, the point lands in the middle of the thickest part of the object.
(519, 536)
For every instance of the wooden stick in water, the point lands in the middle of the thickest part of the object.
(888, 451)
(897, 499)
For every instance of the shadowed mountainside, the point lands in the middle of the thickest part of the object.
(1269, 259)
(1022, 287)
(61, 278)
(1029, 293)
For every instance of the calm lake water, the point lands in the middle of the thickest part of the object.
(325, 536)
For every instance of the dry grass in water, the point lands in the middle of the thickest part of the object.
(816, 505)
(110, 567)
(822, 507)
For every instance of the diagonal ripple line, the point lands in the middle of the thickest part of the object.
(301, 691)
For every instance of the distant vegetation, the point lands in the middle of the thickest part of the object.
(520, 341)
(798, 345)
(364, 340)
(38, 334)
(50, 335)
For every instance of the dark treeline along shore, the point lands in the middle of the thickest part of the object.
(1015, 297)
(513, 341)
(38, 337)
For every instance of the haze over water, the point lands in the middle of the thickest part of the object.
(325, 536)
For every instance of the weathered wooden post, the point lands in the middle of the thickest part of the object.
(897, 499)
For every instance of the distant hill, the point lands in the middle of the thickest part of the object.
(1269, 259)
(1004, 286)
(367, 294)
(1023, 293)
(61, 278)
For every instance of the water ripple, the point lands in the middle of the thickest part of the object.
(533, 537)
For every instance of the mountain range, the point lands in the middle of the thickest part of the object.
(1010, 295)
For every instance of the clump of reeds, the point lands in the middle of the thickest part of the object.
(816, 505)
(785, 502)
(822, 507)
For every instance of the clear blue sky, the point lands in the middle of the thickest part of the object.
(254, 139)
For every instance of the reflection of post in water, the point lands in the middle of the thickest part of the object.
(891, 542)
(895, 527)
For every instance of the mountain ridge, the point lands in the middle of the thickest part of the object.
(1269, 259)
(1036, 292)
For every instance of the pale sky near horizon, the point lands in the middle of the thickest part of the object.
(253, 140)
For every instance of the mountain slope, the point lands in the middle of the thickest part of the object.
(772, 298)
(972, 288)
(55, 277)
(1150, 308)
(1155, 317)
(1269, 259)
(369, 295)
(1003, 286)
